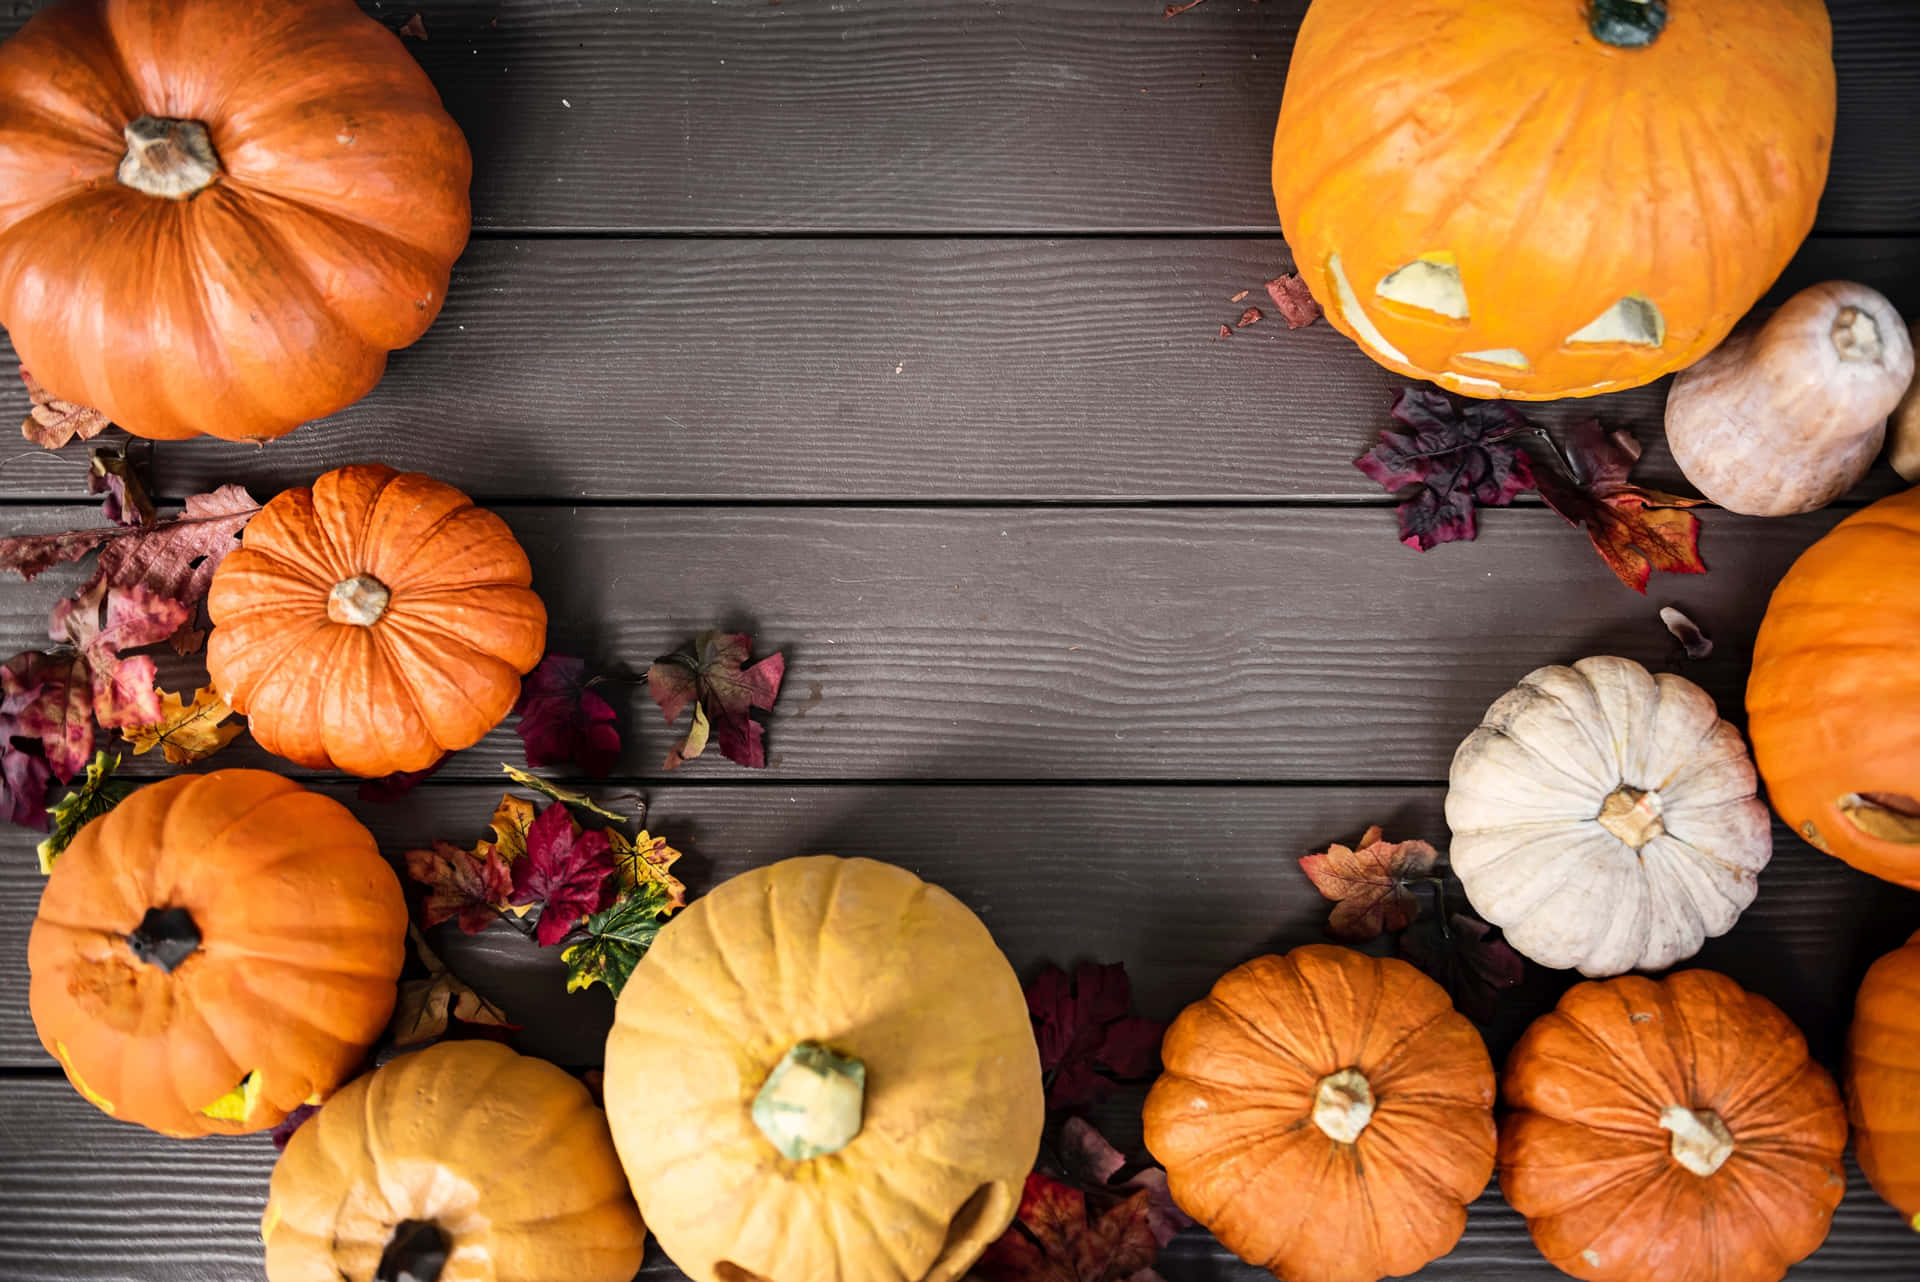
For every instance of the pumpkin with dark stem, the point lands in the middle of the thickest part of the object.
(1883, 1078)
(1550, 199)
(219, 216)
(373, 623)
(214, 952)
(1833, 700)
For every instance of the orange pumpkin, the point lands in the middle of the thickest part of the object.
(1671, 1129)
(1541, 200)
(1328, 1115)
(219, 216)
(373, 622)
(1833, 702)
(215, 951)
(1883, 1078)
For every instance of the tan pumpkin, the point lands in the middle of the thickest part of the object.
(825, 1069)
(373, 623)
(1550, 199)
(1788, 416)
(215, 951)
(1328, 1115)
(1671, 1129)
(463, 1162)
(1883, 1078)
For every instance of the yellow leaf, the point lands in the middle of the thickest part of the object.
(645, 859)
(186, 732)
(511, 819)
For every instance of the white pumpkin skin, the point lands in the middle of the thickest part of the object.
(1606, 818)
(1788, 417)
(1904, 432)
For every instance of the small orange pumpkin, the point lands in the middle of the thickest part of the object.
(215, 951)
(219, 216)
(1550, 199)
(1671, 1129)
(1883, 1078)
(1833, 702)
(373, 622)
(1328, 1115)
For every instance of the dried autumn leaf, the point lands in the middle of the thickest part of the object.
(562, 718)
(103, 623)
(565, 872)
(1467, 958)
(52, 422)
(426, 1006)
(175, 558)
(1457, 458)
(510, 822)
(547, 788)
(1055, 1237)
(1370, 884)
(1293, 300)
(1249, 317)
(24, 776)
(711, 676)
(1635, 530)
(187, 732)
(414, 28)
(618, 936)
(1179, 7)
(98, 793)
(1089, 1158)
(472, 886)
(110, 472)
(1086, 1034)
(645, 861)
(52, 698)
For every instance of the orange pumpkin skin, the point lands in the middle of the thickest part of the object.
(1614, 1097)
(1563, 174)
(1883, 1078)
(373, 623)
(1234, 1118)
(1835, 683)
(267, 298)
(301, 925)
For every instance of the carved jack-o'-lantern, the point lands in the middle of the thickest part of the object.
(1541, 200)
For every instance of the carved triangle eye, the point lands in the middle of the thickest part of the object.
(1634, 320)
(1430, 283)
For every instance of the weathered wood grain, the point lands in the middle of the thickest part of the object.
(877, 369)
(939, 115)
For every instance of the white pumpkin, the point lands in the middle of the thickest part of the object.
(1606, 818)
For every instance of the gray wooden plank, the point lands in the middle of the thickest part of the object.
(877, 369)
(946, 115)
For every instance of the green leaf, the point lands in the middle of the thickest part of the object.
(98, 793)
(579, 800)
(618, 936)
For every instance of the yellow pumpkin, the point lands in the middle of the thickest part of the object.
(464, 1162)
(1550, 199)
(824, 1070)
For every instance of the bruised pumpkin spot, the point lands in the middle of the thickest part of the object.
(237, 1103)
(1814, 839)
(1430, 283)
(1634, 320)
(1591, 1256)
(87, 1093)
(1887, 816)
(1364, 330)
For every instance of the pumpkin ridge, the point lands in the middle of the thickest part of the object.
(1626, 1087)
(1384, 1069)
(1259, 1036)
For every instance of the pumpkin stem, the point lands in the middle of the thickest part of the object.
(165, 937)
(1632, 815)
(811, 1103)
(360, 601)
(416, 1252)
(171, 159)
(1856, 336)
(1343, 1105)
(1627, 24)
(1701, 1141)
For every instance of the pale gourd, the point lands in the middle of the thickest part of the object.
(1787, 417)
(1605, 818)
(1903, 434)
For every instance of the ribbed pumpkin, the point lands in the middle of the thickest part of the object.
(1328, 1115)
(1883, 1078)
(1833, 701)
(463, 1162)
(1671, 1129)
(214, 952)
(825, 1069)
(219, 216)
(1550, 199)
(373, 622)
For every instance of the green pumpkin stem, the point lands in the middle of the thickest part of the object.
(811, 1103)
(416, 1252)
(1627, 24)
(165, 937)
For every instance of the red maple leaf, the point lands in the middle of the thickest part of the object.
(1084, 1026)
(52, 422)
(565, 871)
(1088, 1158)
(23, 775)
(1635, 530)
(1370, 884)
(562, 718)
(1055, 1237)
(53, 697)
(463, 884)
(1467, 957)
(103, 623)
(1457, 458)
(710, 675)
